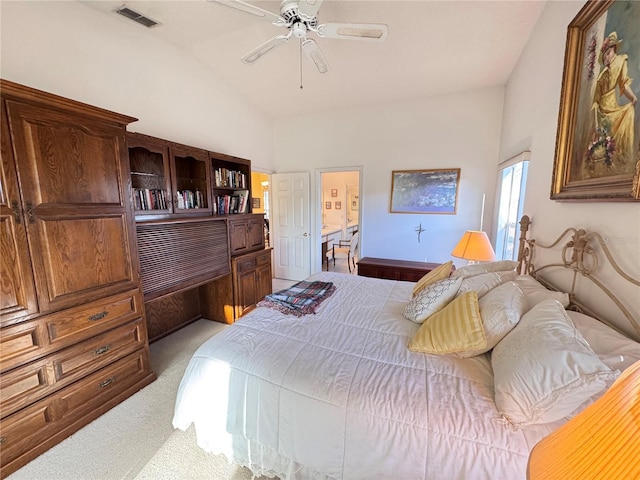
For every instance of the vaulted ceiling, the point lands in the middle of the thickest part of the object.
(433, 48)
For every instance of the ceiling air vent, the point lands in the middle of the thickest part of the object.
(137, 17)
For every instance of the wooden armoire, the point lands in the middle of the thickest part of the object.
(73, 339)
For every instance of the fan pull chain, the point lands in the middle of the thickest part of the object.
(300, 63)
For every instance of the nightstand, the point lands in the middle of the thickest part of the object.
(394, 269)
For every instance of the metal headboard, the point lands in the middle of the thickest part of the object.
(582, 259)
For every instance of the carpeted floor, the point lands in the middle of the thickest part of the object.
(135, 440)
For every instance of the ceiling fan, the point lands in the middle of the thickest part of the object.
(301, 17)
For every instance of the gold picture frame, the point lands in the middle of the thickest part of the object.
(425, 191)
(597, 156)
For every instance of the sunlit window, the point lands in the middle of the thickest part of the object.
(512, 179)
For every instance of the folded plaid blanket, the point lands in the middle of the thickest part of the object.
(300, 299)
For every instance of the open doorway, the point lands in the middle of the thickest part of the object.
(340, 208)
(260, 201)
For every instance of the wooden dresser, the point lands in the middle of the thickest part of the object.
(73, 338)
(394, 269)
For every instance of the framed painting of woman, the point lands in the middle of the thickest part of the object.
(597, 154)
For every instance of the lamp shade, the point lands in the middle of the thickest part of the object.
(603, 441)
(475, 246)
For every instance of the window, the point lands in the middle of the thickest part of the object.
(512, 179)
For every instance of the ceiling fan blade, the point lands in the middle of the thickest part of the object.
(311, 49)
(254, 55)
(307, 9)
(375, 32)
(251, 9)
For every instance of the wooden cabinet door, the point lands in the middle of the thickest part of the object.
(247, 291)
(238, 235)
(70, 168)
(255, 231)
(17, 285)
(264, 283)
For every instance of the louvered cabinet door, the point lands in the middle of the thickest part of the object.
(73, 199)
(17, 287)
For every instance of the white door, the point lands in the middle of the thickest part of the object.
(291, 228)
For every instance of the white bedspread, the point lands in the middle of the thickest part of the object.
(338, 395)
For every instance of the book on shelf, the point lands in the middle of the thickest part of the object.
(188, 199)
(231, 204)
(149, 199)
(244, 195)
(229, 178)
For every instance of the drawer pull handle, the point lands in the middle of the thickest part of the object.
(3, 440)
(101, 350)
(98, 316)
(107, 382)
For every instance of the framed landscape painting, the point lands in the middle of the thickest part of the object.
(425, 191)
(597, 155)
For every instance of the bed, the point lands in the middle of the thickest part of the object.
(337, 394)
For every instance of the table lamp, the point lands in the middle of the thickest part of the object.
(475, 247)
(601, 442)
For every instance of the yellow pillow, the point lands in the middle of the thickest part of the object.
(457, 327)
(435, 275)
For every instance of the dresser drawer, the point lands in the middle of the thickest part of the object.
(33, 381)
(37, 426)
(34, 339)
(263, 258)
(246, 263)
(92, 318)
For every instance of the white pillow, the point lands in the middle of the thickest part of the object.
(500, 310)
(544, 370)
(484, 282)
(431, 299)
(486, 267)
(613, 348)
(535, 292)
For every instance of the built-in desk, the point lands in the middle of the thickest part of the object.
(394, 269)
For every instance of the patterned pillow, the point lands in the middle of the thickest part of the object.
(500, 310)
(435, 275)
(484, 282)
(431, 299)
(455, 328)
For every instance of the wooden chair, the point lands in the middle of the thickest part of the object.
(345, 249)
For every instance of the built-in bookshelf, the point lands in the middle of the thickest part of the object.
(231, 178)
(192, 179)
(168, 178)
(149, 177)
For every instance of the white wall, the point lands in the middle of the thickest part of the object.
(72, 50)
(530, 120)
(461, 130)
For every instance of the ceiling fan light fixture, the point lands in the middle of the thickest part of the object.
(299, 30)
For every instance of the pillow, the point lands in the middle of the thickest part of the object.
(486, 267)
(500, 310)
(439, 273)
(455, 328)
(543, 370)
(535, 292)
(613, 348)
(484, 282)
(431, 299)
